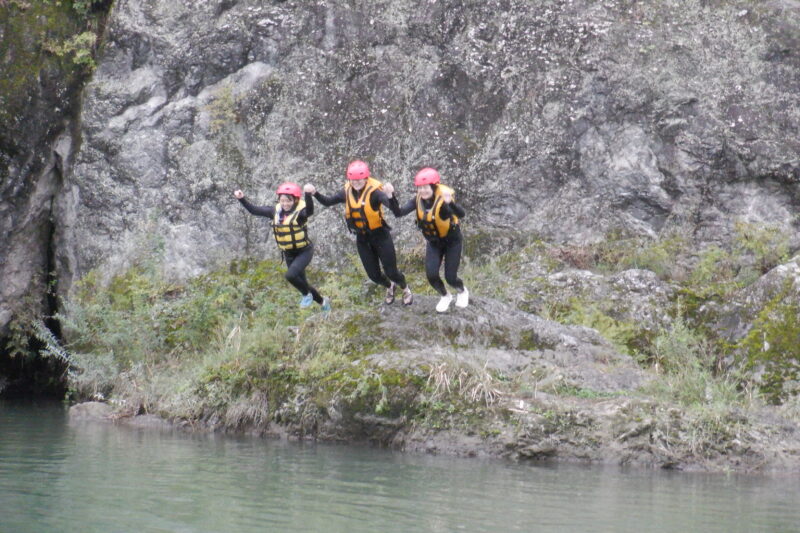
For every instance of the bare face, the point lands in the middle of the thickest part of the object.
(425, 191)
(286, 201)
(358, 184)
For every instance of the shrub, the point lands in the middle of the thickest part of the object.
(767, 244)
(79, 48)
(622, 334)
(684, 360)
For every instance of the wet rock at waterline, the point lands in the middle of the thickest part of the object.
(91, 411)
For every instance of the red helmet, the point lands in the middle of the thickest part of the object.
(292, 189)
(357, 170)
(426, 176)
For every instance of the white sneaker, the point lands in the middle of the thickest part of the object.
(462, 298)
(444, 303)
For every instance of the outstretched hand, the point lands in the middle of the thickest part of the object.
(238, 194)
(447, 197)
(310, 189)
(388, 188)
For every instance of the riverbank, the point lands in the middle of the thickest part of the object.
(230, 351)
(632, 431)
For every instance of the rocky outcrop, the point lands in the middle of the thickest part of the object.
(734, 317)
(564, 119)
(634, 295)
(39, 117)
(491, 335)
(39, 98)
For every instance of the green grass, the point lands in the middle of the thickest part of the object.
(227, 345)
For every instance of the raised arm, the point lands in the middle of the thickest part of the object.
(381, 197)
(450, 207)
(458, 210)
(393, 203)
(261, 211)
(309, 204)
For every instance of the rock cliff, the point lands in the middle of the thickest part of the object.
(567, 120)
(563, 119)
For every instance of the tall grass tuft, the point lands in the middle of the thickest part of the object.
(468, 381)
(684, 361)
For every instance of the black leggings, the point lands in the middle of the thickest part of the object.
(375, 249)
(297, 261)
(448, 249)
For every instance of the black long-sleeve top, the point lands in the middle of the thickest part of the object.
(377, 198)
(445, 212)
(269, 210)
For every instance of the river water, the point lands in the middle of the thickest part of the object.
(62, 477)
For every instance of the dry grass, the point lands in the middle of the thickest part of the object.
(253, 412)
(470, 382)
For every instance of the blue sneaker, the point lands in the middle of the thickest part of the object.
(326, 305)
(307, 300)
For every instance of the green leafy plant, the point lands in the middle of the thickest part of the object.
(622, 334)
(222, 109)
(79, 48)
(84, 7)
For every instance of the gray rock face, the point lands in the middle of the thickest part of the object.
(635, 295)
(565, 118)
(493, 336)
(35, 144)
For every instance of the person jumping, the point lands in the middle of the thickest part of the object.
(364, 198)
(289, 226)
(438, 219)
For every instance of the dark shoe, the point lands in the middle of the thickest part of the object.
(390, 294)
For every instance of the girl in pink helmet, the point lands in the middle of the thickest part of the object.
(438, 218)
(289, 227)
(364, 197)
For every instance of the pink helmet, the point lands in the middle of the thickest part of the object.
(357, 170)
(426, 176)
(292, 189)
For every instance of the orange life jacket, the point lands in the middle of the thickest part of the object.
(359, 214)
(431, 223)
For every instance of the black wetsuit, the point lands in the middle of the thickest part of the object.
(375, 247)
(296, 260)
(437, 249)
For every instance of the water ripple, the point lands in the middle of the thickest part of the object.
(59, 477)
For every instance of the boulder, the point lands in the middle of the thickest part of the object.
(91, 411)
